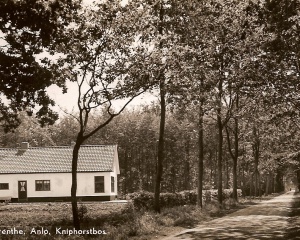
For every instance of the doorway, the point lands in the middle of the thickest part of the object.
(22, 190)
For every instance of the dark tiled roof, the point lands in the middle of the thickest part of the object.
(57, 159)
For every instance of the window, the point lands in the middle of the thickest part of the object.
(112, 184)
(42, 185)
(4, 186)
(99, 184)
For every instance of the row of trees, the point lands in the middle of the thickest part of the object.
(135, 132)
(226, 73)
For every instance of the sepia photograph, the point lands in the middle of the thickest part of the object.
(149, 119)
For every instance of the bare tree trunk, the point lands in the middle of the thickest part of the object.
(160, 150)
(271, 184)
(251, 186)
(220, 141)
(256, 152)
(220, 159)
(274, 184)
(243, 181)
(234, 180)
(267, 185)
(236, 152)
(201, 156)
(258, 185)
(211, 175)
(227, 174)
(76, 221)
(186, 183)
(298, 180)
(255, 186)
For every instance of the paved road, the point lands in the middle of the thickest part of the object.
(278, 218)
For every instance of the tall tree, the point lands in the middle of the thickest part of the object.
(161, 35)
(227, 41)
(162, 93)
(235, 152)
(104, 55)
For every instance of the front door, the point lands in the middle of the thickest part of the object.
(22, 190)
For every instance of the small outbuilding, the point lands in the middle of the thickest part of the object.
(42, 174)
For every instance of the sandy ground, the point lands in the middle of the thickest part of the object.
(278, 218)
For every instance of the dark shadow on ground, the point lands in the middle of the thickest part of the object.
(245, 203)
(275, 219)
(293, 230)
(216, 235)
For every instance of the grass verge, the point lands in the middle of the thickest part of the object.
(119, 221)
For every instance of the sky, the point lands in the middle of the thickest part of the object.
(68, 102)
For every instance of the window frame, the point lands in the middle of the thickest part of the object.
(112, 184)
(99, 181)
(3, 186)
(44, 184)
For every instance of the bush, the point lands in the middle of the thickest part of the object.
(213, 208)
(130, 223)
(82, 212)
(229, 203)
(190, 197)
(145, 200)
(142, 200)
(206, 196)
(184, 216)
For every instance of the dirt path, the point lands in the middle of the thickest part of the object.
(278, 218)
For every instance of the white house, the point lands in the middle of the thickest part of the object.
(36, 174)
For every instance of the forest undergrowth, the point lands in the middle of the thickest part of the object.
(120, 221)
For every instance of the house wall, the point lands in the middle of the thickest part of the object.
(60, 186)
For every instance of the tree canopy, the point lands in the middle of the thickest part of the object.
(227, 74)
(28, 29)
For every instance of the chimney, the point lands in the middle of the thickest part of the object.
(24, 145)
(72, 144)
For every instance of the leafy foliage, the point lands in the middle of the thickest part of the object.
(27, 29)
(236, 61)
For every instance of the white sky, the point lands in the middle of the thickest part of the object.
(68, 101)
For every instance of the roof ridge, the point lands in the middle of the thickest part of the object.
(71, 146)
(66, 146)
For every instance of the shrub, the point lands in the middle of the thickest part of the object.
(82, 211)
(184, 216)
(190, 197)
(142, 200)
(229, 203)
(213, 208)
(206, 196)
(210, 195)
(136, 225)
(145, 200)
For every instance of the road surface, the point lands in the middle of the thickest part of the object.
(278, 218)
